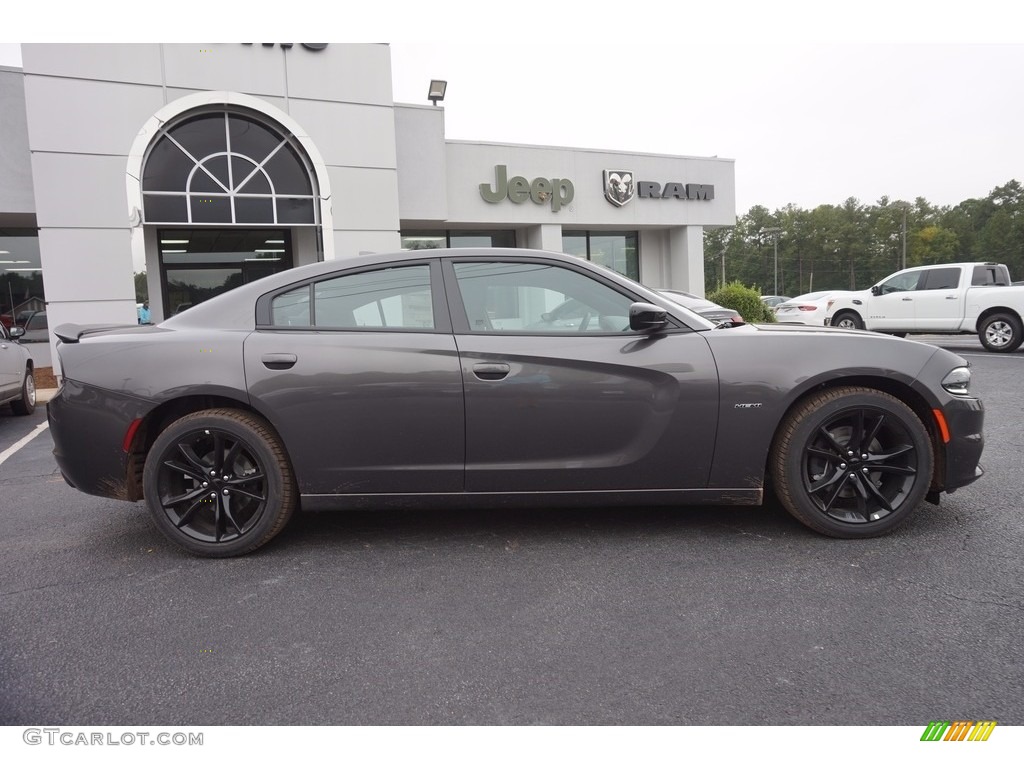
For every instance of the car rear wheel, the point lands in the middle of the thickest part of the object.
(848, 320)
(1000, 333)
(26, 404)
(852, 462)
(218, 483)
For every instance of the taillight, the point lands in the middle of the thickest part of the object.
(807, 307)
(126, 445)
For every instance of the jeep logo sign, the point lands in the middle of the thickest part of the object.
(557, 192)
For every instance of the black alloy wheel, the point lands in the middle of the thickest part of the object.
(218, 484)
(852, 462)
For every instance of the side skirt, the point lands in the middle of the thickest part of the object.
(624, 498)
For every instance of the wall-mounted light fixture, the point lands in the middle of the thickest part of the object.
(437, 89)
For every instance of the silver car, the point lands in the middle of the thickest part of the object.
(17, 382)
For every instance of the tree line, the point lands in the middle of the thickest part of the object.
(852, 246)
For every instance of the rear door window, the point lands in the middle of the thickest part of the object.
(394, 298)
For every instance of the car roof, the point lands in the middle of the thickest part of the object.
(810, 296)
(235, 309)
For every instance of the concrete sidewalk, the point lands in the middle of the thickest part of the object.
(44, 395)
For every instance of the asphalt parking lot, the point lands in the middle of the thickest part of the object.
(696, 616)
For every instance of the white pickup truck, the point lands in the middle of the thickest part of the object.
(948, 298)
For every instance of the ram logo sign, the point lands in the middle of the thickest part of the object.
(620, 187)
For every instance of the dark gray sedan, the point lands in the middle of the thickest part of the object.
(430, 378)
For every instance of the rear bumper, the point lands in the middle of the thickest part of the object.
(88, 426)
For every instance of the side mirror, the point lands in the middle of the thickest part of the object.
(876, 290)
(647, 317)
(16, 331)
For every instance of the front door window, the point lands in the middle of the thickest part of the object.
(538, 298)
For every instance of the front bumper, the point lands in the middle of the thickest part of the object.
(965, 417)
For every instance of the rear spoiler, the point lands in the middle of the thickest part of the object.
(70, 333)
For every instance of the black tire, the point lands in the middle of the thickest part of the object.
(1000, 333)
(851, 462)
(218, 483)
(848, 320)
(26, 404)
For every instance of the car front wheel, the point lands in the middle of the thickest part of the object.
(26, 404)
(218, 483)
(852, 462)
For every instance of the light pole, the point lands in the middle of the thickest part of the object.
(904, 206)
(774, 232)
(722, 254)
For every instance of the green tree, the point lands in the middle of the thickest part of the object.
(932, 245)
(746, 301)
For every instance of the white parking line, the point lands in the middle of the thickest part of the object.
(23, 442)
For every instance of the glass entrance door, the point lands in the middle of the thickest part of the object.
(198, 264)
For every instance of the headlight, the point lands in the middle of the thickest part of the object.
(958, 381)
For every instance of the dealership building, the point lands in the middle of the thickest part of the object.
(207, 166)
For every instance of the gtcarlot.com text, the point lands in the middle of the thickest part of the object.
(69, 738)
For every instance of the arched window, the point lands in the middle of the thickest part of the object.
(227, 168)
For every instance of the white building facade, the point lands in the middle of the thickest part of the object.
(210, 165)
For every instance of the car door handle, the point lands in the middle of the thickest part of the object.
(491, 371)
(952, 297)
(279, 361)
(907, 298)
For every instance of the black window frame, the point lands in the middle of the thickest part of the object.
(438, 301)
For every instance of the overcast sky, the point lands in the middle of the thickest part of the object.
(901, 99)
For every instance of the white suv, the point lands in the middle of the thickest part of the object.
(17, 383)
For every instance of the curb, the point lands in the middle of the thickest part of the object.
(44, 396)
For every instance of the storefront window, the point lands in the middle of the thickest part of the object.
(616, 250)
(21, 276)
(452, 238)
(226, 168)
(197, 264)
